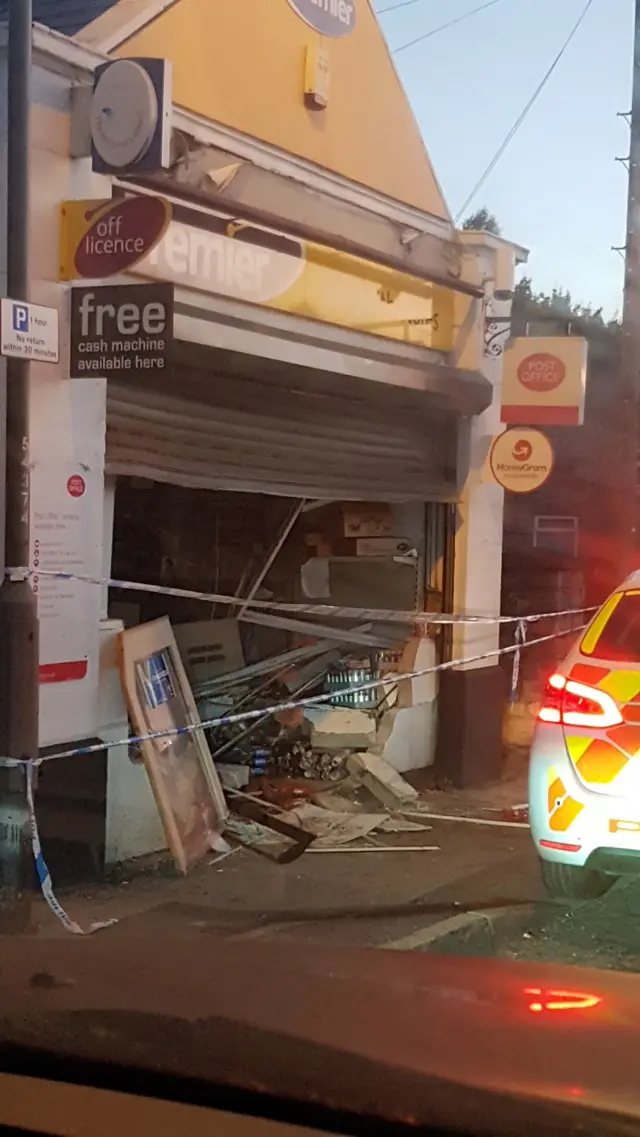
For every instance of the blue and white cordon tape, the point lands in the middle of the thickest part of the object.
(44, 877)
(384, 615)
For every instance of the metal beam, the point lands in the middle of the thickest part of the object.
(304, 231)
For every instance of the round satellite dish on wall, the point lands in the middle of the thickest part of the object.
(124, 114)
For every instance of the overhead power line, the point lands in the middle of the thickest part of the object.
(394, 7)
(442, 27)
(522, 116)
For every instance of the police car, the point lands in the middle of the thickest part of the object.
(584, 774)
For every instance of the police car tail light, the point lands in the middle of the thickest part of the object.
(551, 709)
(576, 704)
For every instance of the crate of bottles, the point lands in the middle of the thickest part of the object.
(349, 675)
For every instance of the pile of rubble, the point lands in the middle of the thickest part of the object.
(316, 768)
(370, 800)
(299, 774)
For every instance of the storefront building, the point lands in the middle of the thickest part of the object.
(328, 362)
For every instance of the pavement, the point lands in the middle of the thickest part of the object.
(382, 895)
(469, 885)
(603, 933)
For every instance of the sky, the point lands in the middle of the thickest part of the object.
(558, 189)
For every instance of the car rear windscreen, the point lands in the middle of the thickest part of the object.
(619, 638)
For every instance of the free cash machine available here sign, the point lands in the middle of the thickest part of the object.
(121, 329)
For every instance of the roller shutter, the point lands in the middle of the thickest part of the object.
(254, 437)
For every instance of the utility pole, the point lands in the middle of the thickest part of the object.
(18, 610)
(627, 485)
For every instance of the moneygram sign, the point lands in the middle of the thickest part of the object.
(521, 460)
(336, 18)
(544, 381)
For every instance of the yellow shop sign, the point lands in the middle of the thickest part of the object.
(212, 253)
(217, 255)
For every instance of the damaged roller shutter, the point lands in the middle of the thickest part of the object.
(237, 433)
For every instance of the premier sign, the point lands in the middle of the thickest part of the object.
(121, 330)
(336, 18)
(233, 259)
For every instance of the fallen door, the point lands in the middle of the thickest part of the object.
(178, 761)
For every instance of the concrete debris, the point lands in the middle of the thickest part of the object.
(382, 781)
(332, 828)
(233, 777)
(337, 802)
(278, 769)
(342, 728)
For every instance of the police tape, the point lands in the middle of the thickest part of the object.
(389, 681)
(336, 612)
(44, 876)
(520, 639)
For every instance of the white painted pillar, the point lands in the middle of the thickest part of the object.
(478, 568)
(67, 447)
(472, 695)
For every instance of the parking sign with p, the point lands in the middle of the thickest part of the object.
(28, 331)
(21, 317)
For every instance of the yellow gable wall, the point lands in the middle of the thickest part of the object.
(241, 63)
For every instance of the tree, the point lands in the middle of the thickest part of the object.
(483, 220)
(559, 303)
(524, 288)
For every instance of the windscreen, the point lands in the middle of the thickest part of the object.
(615, 633)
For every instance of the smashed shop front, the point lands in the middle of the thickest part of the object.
(273, 430)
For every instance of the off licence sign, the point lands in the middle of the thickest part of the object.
(105, 237)
(29, 331)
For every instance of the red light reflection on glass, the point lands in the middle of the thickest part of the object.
(560, 1000)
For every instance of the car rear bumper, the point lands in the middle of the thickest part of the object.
(571, 824)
